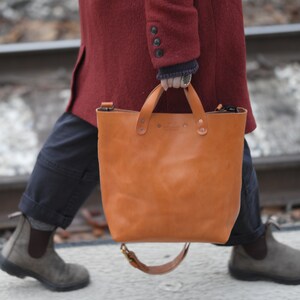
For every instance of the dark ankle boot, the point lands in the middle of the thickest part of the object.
(258, 249)
(30, 252)
(280, 264)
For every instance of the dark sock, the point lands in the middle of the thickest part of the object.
(257, 249)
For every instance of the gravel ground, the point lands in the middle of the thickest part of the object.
(276, 106)
(268, 12)
(38, 20)
(35, 102)
(44, 20)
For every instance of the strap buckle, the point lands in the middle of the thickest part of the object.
(106, 106)
(126, 253)
(226, 108)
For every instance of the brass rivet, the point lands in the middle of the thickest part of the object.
(202, 131)
(142, 120)
(185, 125)
(200, 121)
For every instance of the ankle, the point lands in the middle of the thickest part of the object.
(258, 249)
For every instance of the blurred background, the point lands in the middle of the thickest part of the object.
(39, 40)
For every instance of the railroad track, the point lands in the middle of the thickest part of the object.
(279, 176)
(276, 42)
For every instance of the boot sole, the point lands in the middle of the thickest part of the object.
(14, 270)
(249, 276)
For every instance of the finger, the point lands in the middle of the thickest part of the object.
(177, 82)
(183, 85)
(164, 84)
(170, 82)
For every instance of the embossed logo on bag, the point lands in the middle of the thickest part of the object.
(172, 126)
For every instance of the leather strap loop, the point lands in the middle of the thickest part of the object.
(197, 109)
(147, 109)
(152, 100)
(155, 270)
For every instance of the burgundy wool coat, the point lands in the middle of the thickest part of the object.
(119, 55)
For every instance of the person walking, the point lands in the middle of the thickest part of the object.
(126, 47)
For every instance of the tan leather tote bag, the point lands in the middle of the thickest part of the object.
(170, 177)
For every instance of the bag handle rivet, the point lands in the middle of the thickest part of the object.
(202, 131)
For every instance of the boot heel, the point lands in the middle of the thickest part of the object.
(10, 268)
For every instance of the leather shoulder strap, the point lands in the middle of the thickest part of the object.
(154, 270)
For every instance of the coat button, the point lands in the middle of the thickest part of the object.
(159, 52)
(153, 29)
(156, 42)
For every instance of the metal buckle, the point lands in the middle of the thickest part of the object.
(226, 108)
(126, 253)
(106, 106)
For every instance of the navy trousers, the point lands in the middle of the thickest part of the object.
(66, 172)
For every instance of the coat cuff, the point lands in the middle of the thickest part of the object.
(178, 70)
(172, 29)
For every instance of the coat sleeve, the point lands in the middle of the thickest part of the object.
(172, 31)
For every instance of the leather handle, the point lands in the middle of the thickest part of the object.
(155, 270)
(152, 100)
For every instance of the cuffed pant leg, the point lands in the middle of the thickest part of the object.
(65, 173)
